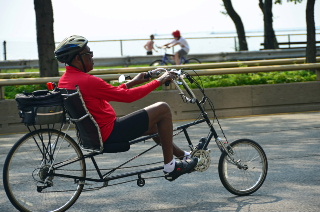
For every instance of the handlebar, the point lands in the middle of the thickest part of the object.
(156, 72)
(179, 80)
(163, 47)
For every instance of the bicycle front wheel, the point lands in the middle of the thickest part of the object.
(245, 172)
(158, 63)
(35, 170)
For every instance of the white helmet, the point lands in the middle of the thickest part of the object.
(69, 48)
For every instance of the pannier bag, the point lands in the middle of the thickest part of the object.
(41, 107)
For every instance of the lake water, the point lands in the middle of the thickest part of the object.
(199, 43)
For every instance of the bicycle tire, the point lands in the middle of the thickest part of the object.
(249, 178)
(158, 63)
(191, 61)
(27, 167)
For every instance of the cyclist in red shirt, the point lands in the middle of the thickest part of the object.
(156, 118)
(182, 42)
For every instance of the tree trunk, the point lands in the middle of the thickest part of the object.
(270, 39)
(311, 51)
(311, 36)
(238, 23)
(45, 38)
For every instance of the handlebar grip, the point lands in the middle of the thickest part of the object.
(152, 73)
(148, 75)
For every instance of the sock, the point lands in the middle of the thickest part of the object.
(169, 167)
(186, 156)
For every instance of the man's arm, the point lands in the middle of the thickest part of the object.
(140, 78)
(137, 80)
(145, 46)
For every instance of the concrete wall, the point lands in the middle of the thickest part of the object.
(228, 101)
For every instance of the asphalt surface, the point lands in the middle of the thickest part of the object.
(291, 142)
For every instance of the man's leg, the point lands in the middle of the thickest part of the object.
(177, 58)
(179, 153)
(160, 121)
(160, 118)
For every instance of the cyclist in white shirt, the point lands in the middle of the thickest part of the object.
(178, 40)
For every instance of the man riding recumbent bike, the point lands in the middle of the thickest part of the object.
(46, 170)
(47, 163)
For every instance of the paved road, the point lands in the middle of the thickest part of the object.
(291, 142)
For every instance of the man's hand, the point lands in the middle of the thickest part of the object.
(138, 79)
(167, 77)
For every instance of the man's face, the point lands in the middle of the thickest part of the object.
(87, 56)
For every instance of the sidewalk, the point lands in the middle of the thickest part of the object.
(291, 142)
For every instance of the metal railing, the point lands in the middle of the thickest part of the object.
(198, 66)
(202, 69)
(134, 47)
(143, 60)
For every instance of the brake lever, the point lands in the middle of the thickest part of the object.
(203, 100)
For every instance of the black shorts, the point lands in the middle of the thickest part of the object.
(129, 127)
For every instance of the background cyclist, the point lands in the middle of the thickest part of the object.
(178, 40)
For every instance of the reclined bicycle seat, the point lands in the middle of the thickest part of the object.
(88, 130)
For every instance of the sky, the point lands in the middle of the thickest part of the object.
(125, 19)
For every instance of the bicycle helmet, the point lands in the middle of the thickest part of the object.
(176, 33)
(69, 48)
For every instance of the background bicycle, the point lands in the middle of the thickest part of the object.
(168, 59)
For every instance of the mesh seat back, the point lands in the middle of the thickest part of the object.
(88, 129)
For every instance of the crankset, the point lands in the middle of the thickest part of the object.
(204, 159)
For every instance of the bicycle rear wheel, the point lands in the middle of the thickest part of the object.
(30, 171)
(192, 60)
(247, 171)
(158, 63)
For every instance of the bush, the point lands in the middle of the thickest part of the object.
(210, 81)
(256, 78)
(11, 91)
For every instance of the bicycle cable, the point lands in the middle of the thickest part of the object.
(205, 98)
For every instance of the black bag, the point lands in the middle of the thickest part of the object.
(41, 107)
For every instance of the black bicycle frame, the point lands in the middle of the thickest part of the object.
(106, 178)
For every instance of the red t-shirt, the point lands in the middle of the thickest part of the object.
(97, 94)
